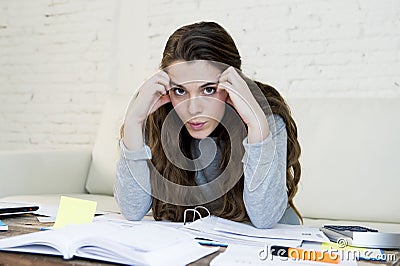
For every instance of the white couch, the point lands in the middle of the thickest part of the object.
(350, 171)
(42, 176)
(349, 163)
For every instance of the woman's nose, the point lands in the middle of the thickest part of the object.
(195, 106)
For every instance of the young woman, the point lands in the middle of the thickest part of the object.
(199, 132)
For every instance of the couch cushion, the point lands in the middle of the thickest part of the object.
(44, 171)
(349, 158)
(106, 150)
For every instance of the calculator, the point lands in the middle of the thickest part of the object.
(361, 236)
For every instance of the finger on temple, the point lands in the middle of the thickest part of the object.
(160, 88)
(227, 87)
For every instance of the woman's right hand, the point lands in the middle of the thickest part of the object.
(152, 94)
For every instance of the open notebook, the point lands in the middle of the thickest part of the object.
(134, 243)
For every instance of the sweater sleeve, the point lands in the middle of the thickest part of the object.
(132, 189)
(264, 164)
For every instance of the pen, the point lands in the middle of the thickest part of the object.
(3, 226)
(304, 254)
(213, 244)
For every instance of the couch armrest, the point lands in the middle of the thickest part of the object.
(43, 172)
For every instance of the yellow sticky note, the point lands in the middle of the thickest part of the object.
(74, 211)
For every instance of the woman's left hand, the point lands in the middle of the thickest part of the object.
(241, 98)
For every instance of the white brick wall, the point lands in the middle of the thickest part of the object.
(55, 59)
(59, 59)
(307, 48)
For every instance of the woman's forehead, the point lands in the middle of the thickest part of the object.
(193, 71)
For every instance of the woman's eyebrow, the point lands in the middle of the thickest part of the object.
(173, 84)
(208, 84)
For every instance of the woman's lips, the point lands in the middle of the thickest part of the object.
(196, 125)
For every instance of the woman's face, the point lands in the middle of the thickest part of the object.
(195, 95)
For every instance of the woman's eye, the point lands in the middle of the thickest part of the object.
(179, 91)
(209, 90)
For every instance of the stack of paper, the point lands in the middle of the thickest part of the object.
(229, 232)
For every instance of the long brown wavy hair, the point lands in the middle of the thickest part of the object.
(210, 41)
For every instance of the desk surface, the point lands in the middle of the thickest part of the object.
(28, 223)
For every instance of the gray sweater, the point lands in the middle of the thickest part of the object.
(264, 193)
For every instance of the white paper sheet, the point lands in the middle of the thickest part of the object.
(220, 226)
(280, 231)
